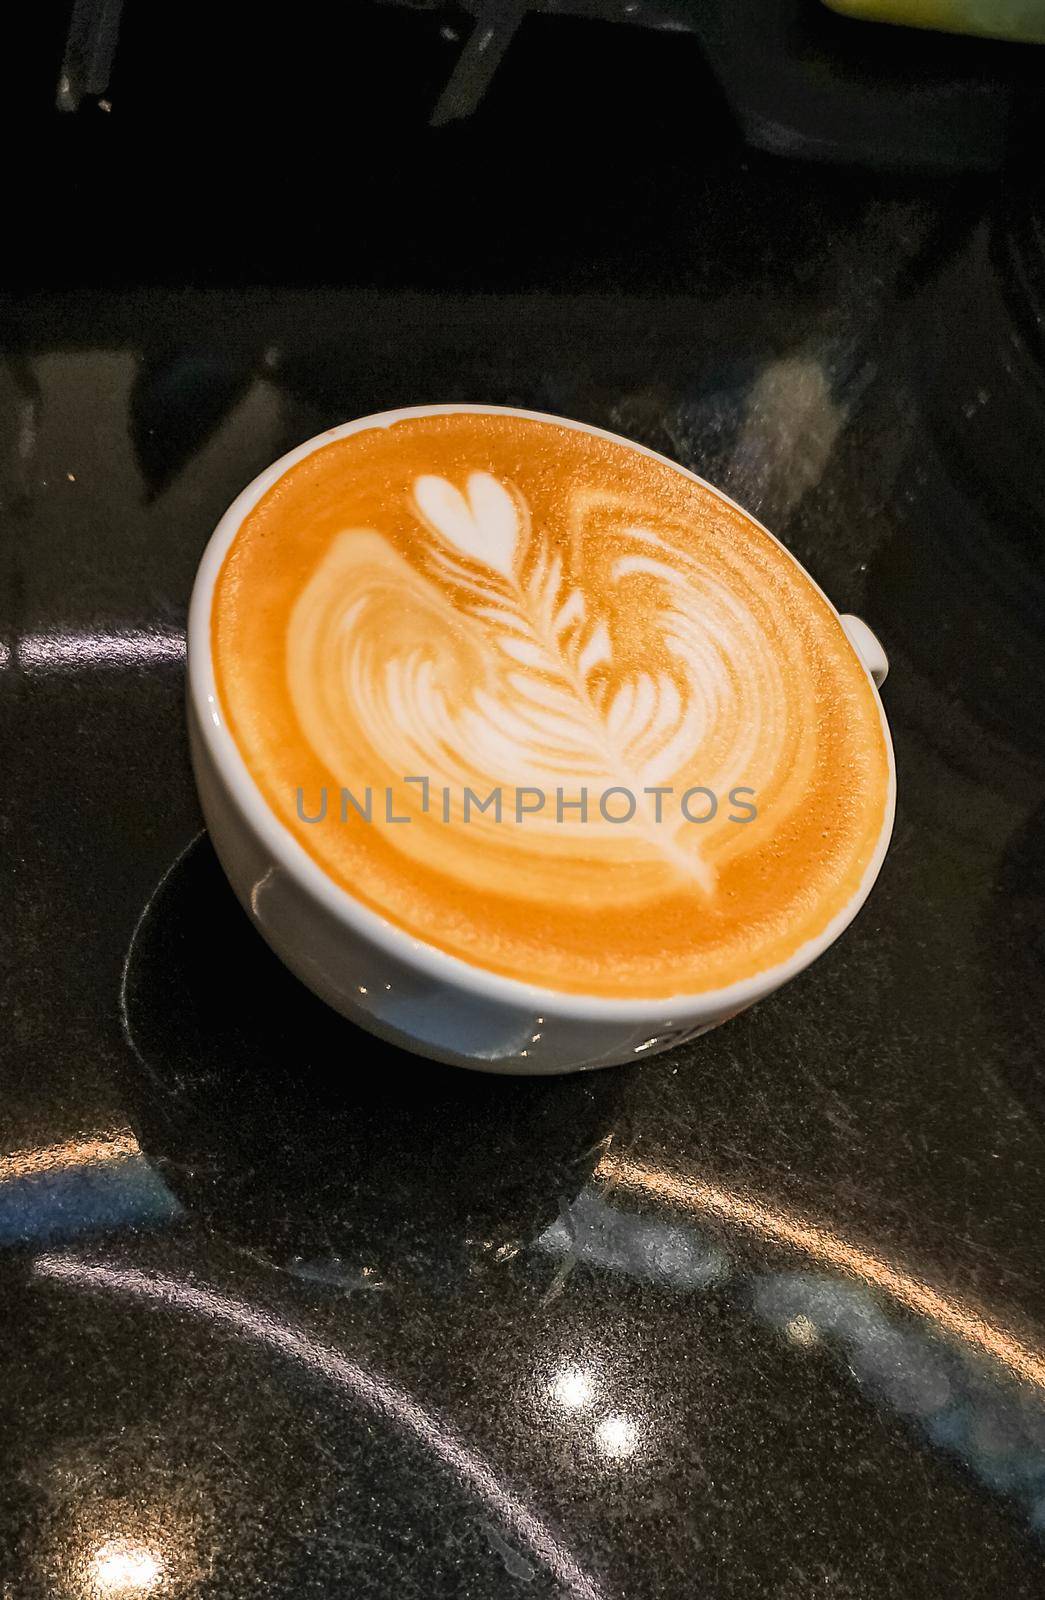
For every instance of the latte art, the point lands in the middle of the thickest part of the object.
(487, 664)
(462, 607)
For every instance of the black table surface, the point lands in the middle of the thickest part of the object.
(286, 1313)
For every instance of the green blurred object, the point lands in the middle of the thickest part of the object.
(993, 19)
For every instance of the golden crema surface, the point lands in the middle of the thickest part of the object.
(645, 758)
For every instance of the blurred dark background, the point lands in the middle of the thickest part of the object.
(501, 145)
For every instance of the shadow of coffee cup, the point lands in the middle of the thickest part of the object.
(292, 1131)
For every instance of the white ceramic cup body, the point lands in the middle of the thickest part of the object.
(375, 974)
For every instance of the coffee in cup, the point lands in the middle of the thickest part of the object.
(541, 702)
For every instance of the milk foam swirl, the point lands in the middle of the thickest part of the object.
(605, 651)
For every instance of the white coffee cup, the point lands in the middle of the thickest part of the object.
(395, 985)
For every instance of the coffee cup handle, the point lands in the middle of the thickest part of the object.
(867, 648)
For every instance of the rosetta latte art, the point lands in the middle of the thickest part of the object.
(489, 603)
(488, 663)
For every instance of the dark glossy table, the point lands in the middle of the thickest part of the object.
(283, 1313)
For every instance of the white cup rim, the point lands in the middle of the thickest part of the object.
(425, 958)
